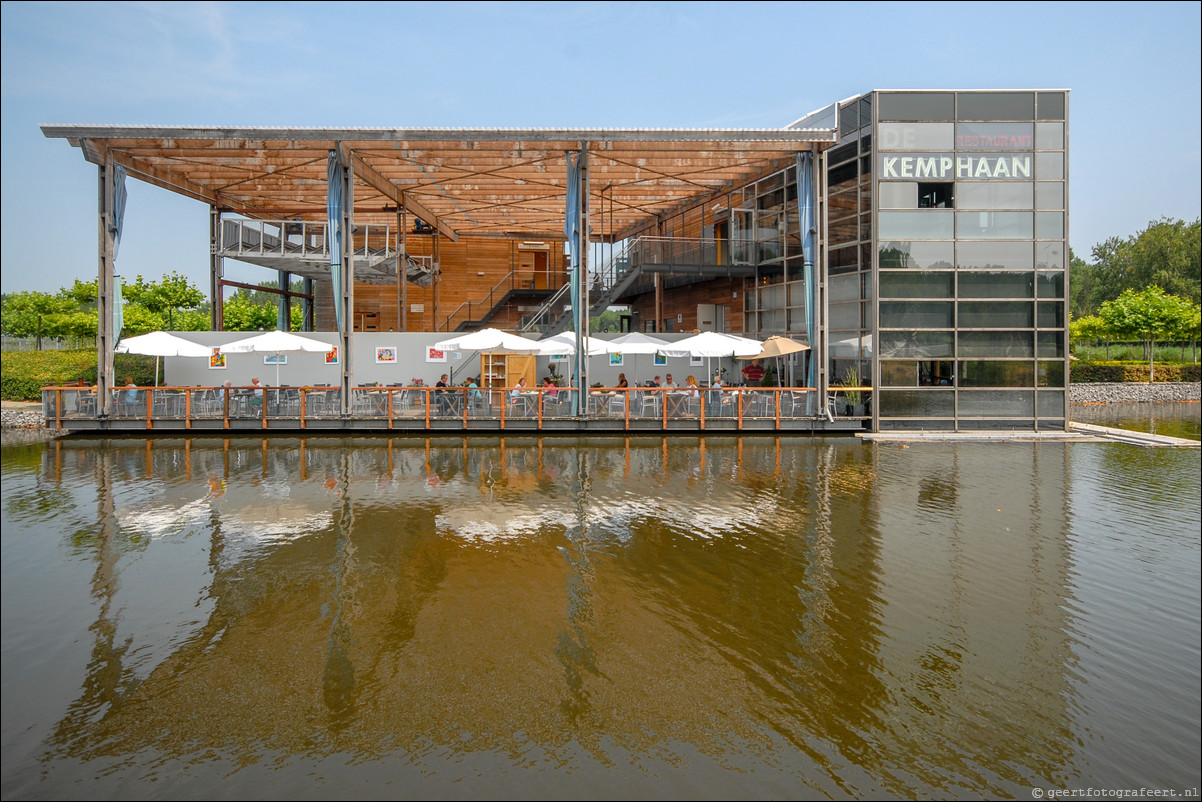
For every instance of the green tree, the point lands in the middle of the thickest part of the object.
(1167, 254)
(241, 314)
(35, 314)
(166, 298)
(1148, 315)
(1087, 331)
(137, 319)
(82, 292)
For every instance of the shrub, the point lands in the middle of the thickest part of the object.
(23, 374)
(1088, 372)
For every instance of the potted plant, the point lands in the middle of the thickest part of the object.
(851, 379)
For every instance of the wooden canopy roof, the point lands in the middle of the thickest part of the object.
(480, 181)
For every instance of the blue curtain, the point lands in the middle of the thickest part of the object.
(805, 204)
(334, 233)
(571, 230)
(119, 197)
(118, 312)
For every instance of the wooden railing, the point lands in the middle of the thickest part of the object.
(427, 407)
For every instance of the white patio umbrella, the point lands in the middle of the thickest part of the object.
(489, 340)
(711, 344)
(636, 343)
(278, 343)
(565, 343)
(159, 344)
(592, 346)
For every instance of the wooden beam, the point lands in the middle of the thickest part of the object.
(370, 176)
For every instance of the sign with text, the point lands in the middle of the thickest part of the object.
(950, 167)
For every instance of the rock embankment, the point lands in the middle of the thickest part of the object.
(21, 416)
(1131, 392)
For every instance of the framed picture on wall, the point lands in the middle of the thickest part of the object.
(660, 360)
(275, 359)
(696, 361)
(434, 355)
(615, 360)
(332, 356)
(385, 354)
(216, 360)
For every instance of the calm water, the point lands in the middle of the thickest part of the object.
(512, 619)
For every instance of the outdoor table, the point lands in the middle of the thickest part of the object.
(678, 403)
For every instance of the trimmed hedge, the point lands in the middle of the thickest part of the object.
(1091, 372)
(23, 374)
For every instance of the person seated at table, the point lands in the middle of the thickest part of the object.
(473, 384)
(655, 382)
(669, 383)
(622, 380)
(753, 374)
(441, 396)
(691, 387)
(130, 395)
(257, 396)
(515, 395)
(549, 388)
(716, 394)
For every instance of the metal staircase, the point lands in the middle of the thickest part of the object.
(632, 271)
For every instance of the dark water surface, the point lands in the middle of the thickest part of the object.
(522, 618)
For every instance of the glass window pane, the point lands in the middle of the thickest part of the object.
(1051, 314)
(843, 260)
(797, 319)
(1049, 165)
(994, 136)
(1049, 136)
(843, 177)
(1051, 404)
(996, 106)
(925, 224)
(844, 316)
(899, 195)
(916, 315)
(1051, 344)
(997, 344)
(916, 344)
(996, 285)
(997, 403)
(1051, 105)
(846, 345)
(845, 230)
(917, 255)
(983, 373)
(1051, 374)
(916, 403)
(916, 106)
(1049, 255)
(899, 374)
(1049, 225)
(1050, 285)
(994, 195)
(1049, 195)
(916, 136)
(993, 225)
(843, 288)
(913, 284)
(843, 204)
(994, 255)
(996, 315)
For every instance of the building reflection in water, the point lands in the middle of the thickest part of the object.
(865, 618)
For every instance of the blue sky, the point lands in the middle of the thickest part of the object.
(1132, 68)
